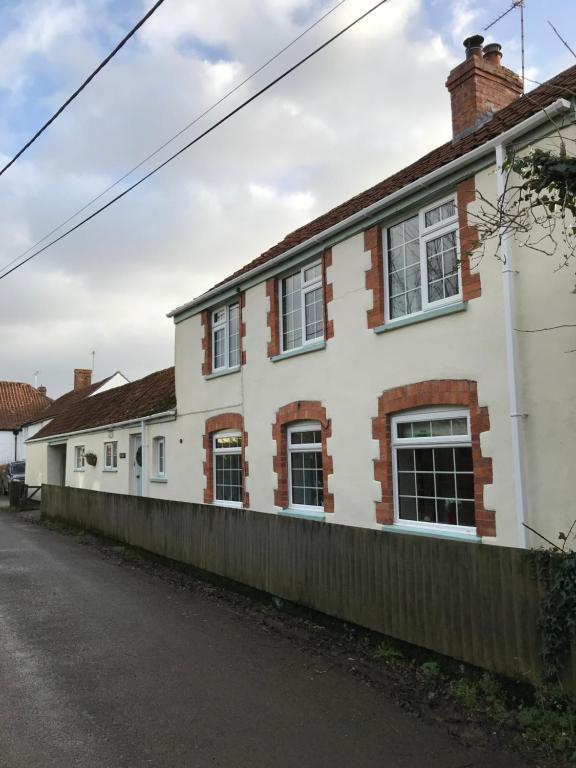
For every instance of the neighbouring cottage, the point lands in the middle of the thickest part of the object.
(19, 402)
(97, 436)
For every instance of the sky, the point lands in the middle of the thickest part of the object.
(368, 105)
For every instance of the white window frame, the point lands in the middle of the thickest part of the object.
(113, 465)
(429, 414)
(303, 426)
(425, 235)
(223, 451)
(79, 458)
(159, 456)
(225, 324)
(305, 288)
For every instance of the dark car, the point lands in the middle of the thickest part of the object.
(12, 472)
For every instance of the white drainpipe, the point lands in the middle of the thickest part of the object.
(143, 446)
(516, 415)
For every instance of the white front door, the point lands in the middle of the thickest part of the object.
(137, 464)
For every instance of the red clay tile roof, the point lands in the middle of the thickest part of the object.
(153, 394)
(19, 403)
(66, 400)
(562, 85)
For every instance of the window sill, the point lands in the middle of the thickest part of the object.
(109, 470)
(79, 470)
(440, 534)
(223, 372)
(307, 514)
(230, 504)
(300, 351)
(430, 314)
(158, 479)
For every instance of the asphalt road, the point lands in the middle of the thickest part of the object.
(106, 667)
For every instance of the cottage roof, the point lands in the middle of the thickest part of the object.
(154, 393)
(562, 85)
(19, 402)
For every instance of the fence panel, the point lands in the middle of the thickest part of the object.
(475, 603)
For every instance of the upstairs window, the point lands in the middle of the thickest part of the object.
(422, 257)
(228, 468)
(305, 471)
(302, 306)
(111, 455)
(79, 457)
(226, 337)
(159, 456)
(433, 470)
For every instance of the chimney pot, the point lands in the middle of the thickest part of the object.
(82, 378)
(473, 46)
(42, 390)
(493, 53)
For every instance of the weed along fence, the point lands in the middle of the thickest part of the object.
(476, 603)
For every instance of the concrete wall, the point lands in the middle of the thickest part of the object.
(475, 604)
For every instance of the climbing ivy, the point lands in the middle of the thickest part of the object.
(556, 573)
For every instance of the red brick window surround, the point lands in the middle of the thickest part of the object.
(219, 423)
(374, 243)
(288, 415)
(206, 320)
(274, 319)
(441, 392)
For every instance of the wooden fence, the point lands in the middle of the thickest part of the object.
(475, 603)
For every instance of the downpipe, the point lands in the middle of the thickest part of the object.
(516, 414)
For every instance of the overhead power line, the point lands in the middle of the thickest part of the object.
(172, 138)
(79, 90)
(198, 138)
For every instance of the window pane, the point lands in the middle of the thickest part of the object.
(465, 485)
(407, 484)
(314, 314)
(412, 228)
(405, 458)
(396, 259)
(425, 484)
(426, 510)
(228, 441)
(219, 316)
(220, 348)
(440, 213)
(397, 283)
(422, 429)
(447, 511)
(396, 236)
(441, 427)
(405, 429)
(413, 302)
(466, 513)
(234, 335)
(408, 509)
(463, 459)
(412, 253)
(424, 460)
(291, 312)
(460, 426)
(413, 278)
(445, 486)
(444, 459)
(313, 273)
(398, 307)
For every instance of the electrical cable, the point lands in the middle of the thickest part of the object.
(173, 138)
(79, 90)
(199, 137)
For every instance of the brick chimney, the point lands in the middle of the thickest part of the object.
(82, 378)
(480, 86)
(42, 390)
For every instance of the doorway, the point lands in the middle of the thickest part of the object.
(136, 461)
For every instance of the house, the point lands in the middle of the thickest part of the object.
(107, 438)
(366, 371)
(19, 402)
